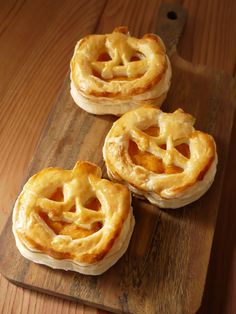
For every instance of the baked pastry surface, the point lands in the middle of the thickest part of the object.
(114, 73)
(73, 219)
(160, 156)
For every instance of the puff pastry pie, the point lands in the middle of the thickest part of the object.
(114, 73)
(73, 219)
(160, 156)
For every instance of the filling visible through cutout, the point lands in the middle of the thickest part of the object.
(77, 232)
(149, 161)
(73, 209)
(184, 150)
(145, 159)
(71, 229)
(97, 74)
(57, 196)
(56, 226)
(104, 57)
(134, 58)
(152, 131)
(137, 56)
(93, 204)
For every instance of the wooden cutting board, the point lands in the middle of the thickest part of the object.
(165, 267)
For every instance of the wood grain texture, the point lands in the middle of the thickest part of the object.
(209, 34)
(20, 26)
(169, 251)
(18, 300)
(32, 72)
(222, 267)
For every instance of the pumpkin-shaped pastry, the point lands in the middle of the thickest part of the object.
(73, 219)
(160, 156)
(114, 73)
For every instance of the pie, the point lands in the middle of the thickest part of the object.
(160, 156)
(114, 73)
(70, 219)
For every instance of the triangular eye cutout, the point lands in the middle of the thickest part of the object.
(137, 57)
(163, 146)
(152, 131)
(134, 58)
(145, 159)
(57, 195)
(183, 149)
(56, 226)
(103, 57)
(97, 74)
(93, 204)
(73, 209)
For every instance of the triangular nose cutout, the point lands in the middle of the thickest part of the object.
(103, 57)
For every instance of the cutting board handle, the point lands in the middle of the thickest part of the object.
(171, 18)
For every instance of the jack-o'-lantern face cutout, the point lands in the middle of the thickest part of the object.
(114, 73)
(71, 214)
(102, 64)
(157, 152)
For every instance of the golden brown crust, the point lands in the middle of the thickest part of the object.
(159, 153)
(142, 74)
(51, 216)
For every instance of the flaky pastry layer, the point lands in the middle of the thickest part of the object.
(114, 73)
(160, 156)
(69, 219)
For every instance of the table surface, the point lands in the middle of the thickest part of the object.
(37, 39)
